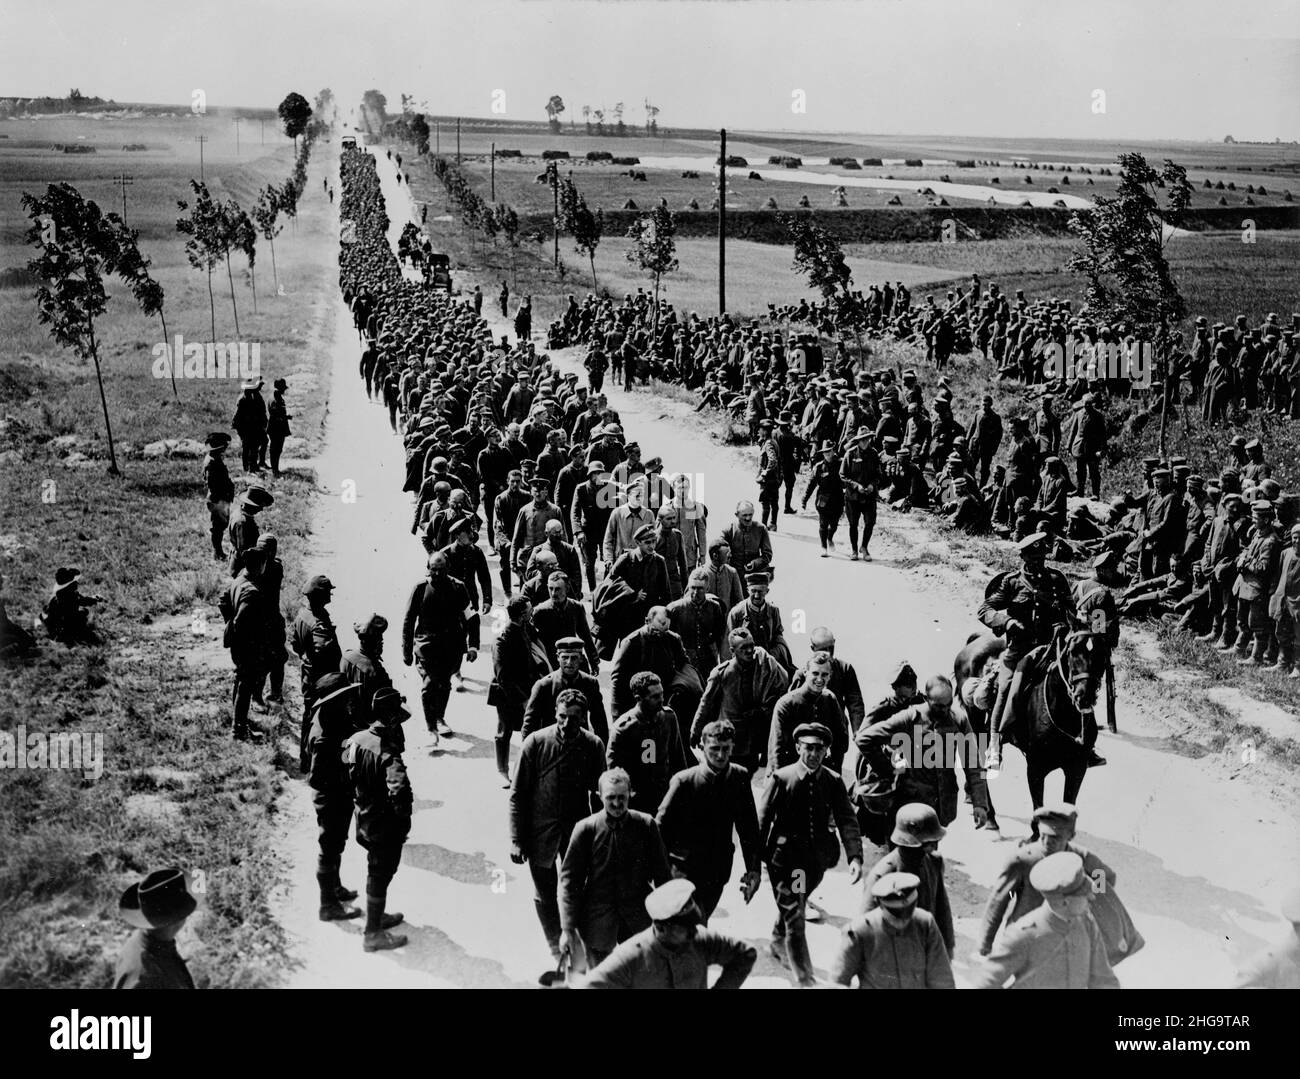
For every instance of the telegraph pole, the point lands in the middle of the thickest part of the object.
(262, 126)
(200, 139)
(555, 190)
(238, 120)
(722, 227)
(124, 181)
(494, 172)
(457, 140)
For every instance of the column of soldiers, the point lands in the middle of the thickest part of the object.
(628, 840)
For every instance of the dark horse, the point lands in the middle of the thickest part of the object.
(1054, 688)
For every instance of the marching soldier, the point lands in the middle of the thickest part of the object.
(646, 742)
(916, 836)
(1057, 945)
(801, 804)
(896, 944)
(440, 627)
(674, 953)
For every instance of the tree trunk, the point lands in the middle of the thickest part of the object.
(231, 278)
(167, 343)
(212, 307)
(275, 274)
(108, 426)
(592, 256)
(253, 273)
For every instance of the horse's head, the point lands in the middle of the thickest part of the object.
(1083, 661)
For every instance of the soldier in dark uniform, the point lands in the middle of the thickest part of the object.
(614, 860)
(809, 702)
(439, 628)
(861, 475)
(1256, 575)
(803, 805)
(790, 449)
(363, 666)
(828, 485)
(697, 816)
(1025, 606)
(270, 584)
(243, 530)
(540, 709)
(701, 622)
(769, 473)
(277, 425)
(334, 720)
(249, 423)
(316, 644)
(592, 504)
(506, 513)
(221, 490)
(554, 787)
(373, 761)
(243, 608)
(158, 907)
(646, 742)
(518, 660)
(467, 563)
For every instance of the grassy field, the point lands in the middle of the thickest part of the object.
(175, 788)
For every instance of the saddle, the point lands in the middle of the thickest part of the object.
(1029, 674)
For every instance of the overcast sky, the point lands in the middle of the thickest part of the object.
(1196, 69)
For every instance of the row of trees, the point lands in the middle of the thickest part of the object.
(79, 247)
(594, 118)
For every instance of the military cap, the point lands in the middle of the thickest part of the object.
(1270, 488)
(258, 497)
(1174, 462)
(1231, 497)
(569, 644)
(672, 901)
(332, 685)
(427, 421)
(540, 481)
(889, 440)
(903, 451)
(904, 672)
(1201, 320)
(1162, 471)
(251, 384)
(862, 434)
(896, 888)
(1254, 444)
(595, 466)
(1262, 506)
(698, 575)
(616, 429)
(1031, 541)
(1059, 874)
(1150, 463)
(319, 583)
(916, 823)
(1104, 559)
(266, 541)
(784, 419)
(1196, 482)
(65, 575)
(909, 373)
(465, 524)
(217, 440)
(376, 623)
(956, 459)
(643, 533)
(1056, 815)
(818, 731)
(1238, 440)
(1182, 471)
(387, 703)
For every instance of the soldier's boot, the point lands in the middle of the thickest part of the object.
(342, 894)
(1230, 641)
(377, 938)
(1251, 656)
(1284, 662)
(331, 910)
(502, 746)
(1213, 633)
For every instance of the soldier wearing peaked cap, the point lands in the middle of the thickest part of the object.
(896, 944)
(1014, 895)
(674, 953)
(1057, 945)
(802, 806)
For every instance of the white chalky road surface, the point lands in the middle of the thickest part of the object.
(1202, 856)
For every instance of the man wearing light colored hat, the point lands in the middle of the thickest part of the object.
(896, 944)
(1056, 946)
(158, 907)
(1014, 895)
(674, 953)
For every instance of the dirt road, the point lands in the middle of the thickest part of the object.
(1201, 855)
